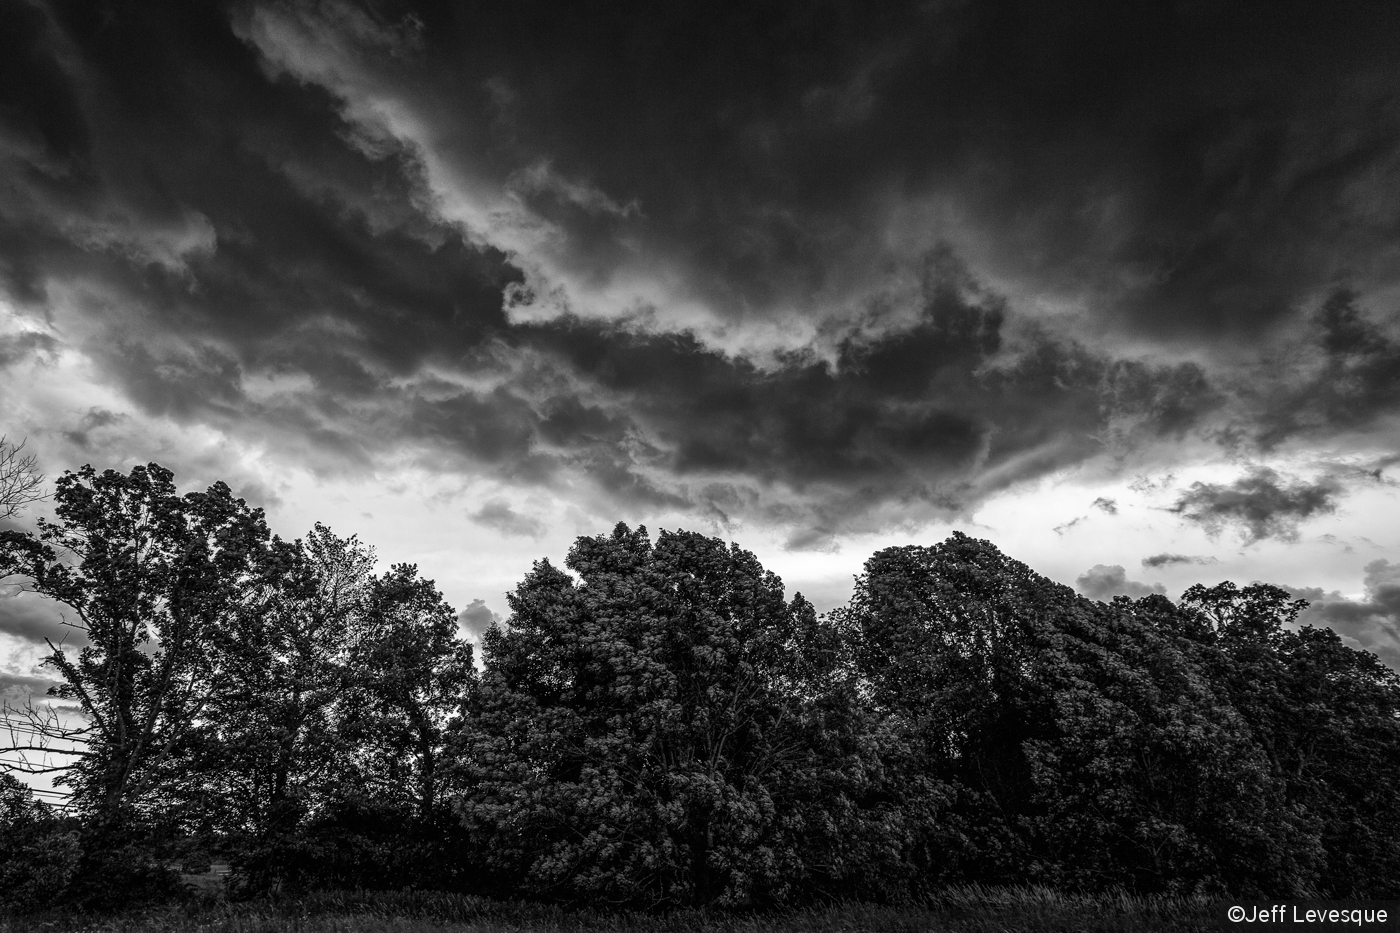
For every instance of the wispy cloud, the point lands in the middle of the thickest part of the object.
(1167, 560)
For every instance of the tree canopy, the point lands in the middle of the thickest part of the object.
(658, 723)
(667, 729)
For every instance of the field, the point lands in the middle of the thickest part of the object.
(961, 910)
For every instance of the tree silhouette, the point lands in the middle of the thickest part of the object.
(658, 724)
(667, 730)
(1328, 719)
(150, 576)
(1076, 743)
(411, 673)
(266, 744)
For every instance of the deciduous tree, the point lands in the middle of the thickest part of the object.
(1079, 744)
(267, 746)
(411, 673)
(667, 729)
(1327, 717)
(150, 576)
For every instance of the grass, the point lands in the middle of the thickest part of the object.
(957, 910)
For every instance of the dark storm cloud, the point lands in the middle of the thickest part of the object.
(926, 414)
(299, 224)
(1167, 560)
(1372, 623)
(1344, 376)
(1263, 504)
(150, 158)
(1193, 169)
(1103, 582)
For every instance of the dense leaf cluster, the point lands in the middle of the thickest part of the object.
(658, 724)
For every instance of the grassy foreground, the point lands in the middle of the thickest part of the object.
(959, 910)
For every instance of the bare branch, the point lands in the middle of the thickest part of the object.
(25, 767)
(33, 730)
(20, 480)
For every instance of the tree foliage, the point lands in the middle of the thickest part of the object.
(667, 729)
(411, 674)
(1327, 719)
(657, 723)
(1092, 745)
(267, 741)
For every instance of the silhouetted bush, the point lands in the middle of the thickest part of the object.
(39, 854)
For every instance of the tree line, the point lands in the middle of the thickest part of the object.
(657, 724)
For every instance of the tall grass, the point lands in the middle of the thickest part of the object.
(957, 910)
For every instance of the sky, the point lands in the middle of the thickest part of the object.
(1113, 286)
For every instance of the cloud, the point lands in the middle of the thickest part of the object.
(1263, 504)
(814, 539)
(746, 266)
(935, 416)
(18, 692)
(1190, 200)
(500, 516)
(1372, 623)
(1344, 375)
(94, 420)
(33, 618)
(1103, 582)
(1109, 506)
(477, 618)
(24, 345)
(540, 177)
(771, 217)
(1166, 560)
